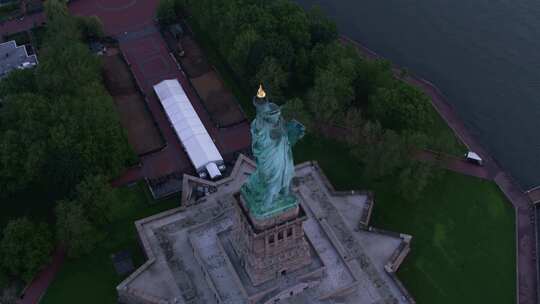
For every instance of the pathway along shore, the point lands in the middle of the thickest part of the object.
(526, 264)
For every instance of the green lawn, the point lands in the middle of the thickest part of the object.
(463, 248)
(92, 279)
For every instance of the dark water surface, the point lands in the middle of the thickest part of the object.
(484, 55)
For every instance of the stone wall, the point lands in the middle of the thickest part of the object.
(273, 251)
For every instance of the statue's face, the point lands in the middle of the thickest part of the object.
(273, 118)
(272, 114)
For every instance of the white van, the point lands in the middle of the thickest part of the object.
(474, 158)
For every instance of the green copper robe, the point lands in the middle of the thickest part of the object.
(267, 191)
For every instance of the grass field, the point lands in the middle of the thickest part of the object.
(463, 249)
(92, 279)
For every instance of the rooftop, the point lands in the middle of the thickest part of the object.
(14, 57)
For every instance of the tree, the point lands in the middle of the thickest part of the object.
(60, 24)
(3, 278)
(292, 22)
(18, 81)
(99, 200)
(67, 128)
(24, 120)
(337, 56)
(56, 9)
(371, 75)
(25, 247)
(295, 109)
(74, 228)
(274, 45)
(86, 126)
(242, 50)
(401, 107)
(65, 68)
(354, 123)
(331, 94)
(91, 27)
(322, 29)
(180, 7)
(166, 12)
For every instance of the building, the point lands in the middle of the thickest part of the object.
(14, 57)
(191, 132)
(191, 258)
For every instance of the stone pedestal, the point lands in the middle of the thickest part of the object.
(271, 247)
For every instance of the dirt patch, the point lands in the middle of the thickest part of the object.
(193, 62)
(142, 131)
(218, 100)
(118, 78)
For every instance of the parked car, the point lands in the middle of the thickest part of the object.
(474, 158)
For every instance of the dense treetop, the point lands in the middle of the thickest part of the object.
(58, 123)
(60, 139)
(319, 79)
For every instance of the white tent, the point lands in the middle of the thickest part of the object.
(200, 148)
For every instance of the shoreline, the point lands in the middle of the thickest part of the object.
(526, 265)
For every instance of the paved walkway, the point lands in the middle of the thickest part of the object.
(455, 164)
(525, 224)
(41, 282)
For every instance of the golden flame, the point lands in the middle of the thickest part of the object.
(261, 93)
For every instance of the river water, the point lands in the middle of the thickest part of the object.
(484, 55)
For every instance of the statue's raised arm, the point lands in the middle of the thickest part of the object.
(295, 131)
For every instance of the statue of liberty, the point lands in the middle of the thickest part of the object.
(267, 191)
